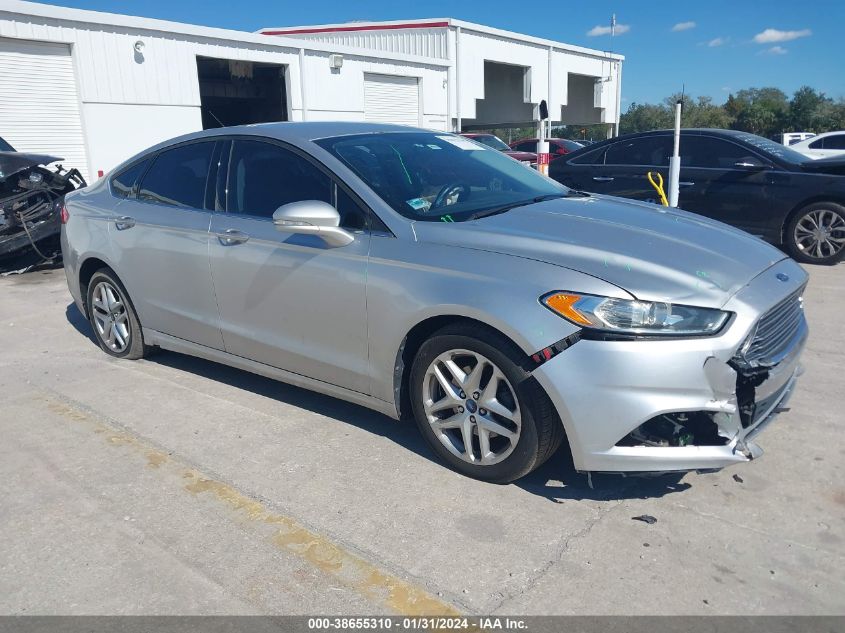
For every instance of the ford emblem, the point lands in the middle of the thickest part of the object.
(782, 277)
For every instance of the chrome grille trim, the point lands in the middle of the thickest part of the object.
(776, 331)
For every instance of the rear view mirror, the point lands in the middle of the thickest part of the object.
(312, 217)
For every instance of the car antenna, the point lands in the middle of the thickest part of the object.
(216, 119)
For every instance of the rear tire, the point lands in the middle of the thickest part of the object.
(511, 423)
(816, 234)
(113, 317)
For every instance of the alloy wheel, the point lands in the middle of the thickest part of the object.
(110, 317)
(820, 233)
(472, 407)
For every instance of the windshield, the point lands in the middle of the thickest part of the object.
(5, 147)
(440, 177)
(492, 141)
(772, 148)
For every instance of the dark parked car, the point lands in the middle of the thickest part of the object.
(748, 181)
(557, 146)
(491, 140)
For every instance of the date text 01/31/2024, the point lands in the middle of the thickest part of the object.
(416, 623)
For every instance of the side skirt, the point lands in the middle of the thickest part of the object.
(165, 341)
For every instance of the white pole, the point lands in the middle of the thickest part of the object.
(458, 124)
(675, 160)
(303, 102)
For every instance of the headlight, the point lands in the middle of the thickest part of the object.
(624, 316)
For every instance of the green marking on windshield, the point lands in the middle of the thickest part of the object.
(446, 218)
(402, 162)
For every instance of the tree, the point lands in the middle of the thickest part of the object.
(594, 132)
(700, 112)
(763, 111)
(806, 109)
(644, 117)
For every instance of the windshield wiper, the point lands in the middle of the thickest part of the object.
(497, 210)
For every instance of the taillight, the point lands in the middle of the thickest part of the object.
(64, 214)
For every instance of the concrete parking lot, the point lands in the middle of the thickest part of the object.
(177, 486)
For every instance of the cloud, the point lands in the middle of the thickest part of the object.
(605, 30)
(717, 41)
(775, 50)
(683, 26)
(770, 36)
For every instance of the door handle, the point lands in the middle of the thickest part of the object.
(603, 178)
(230, 237)
(124, 222)
(686, 184)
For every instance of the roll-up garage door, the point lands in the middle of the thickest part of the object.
(39, 105)
(391, 99)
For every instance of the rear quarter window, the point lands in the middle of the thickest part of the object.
(123, 183)
(178, 176)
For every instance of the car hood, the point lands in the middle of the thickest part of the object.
(652, 252)
(13, 162)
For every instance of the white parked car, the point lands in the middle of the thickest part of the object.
(822, 145)
(791, 138)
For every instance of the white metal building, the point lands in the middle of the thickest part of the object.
(495, 78)
(95, 88)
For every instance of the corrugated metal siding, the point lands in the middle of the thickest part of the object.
(391, 99)
(39, 104)
(109, 71)
(423, 42)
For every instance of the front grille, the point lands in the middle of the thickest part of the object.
(776, 332)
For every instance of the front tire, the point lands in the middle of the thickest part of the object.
(113, 317)
(816, 234)
(478, 409)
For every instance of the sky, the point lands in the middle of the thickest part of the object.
(710, 47)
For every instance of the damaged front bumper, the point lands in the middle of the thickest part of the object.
(30, 200)
(682, 404)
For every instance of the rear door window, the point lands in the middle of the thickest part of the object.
(648, 150)
(178, 176)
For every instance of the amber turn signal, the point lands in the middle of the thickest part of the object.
(564, 305)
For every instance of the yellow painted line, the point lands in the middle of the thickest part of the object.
(396, 595)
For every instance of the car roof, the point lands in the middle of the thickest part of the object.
(296, 131)
(687, 131)
(821, 134)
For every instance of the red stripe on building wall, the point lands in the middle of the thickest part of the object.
(370, 27)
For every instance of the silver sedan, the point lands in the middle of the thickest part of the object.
(424, 275)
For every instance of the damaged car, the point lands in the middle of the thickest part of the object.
(30, 201)
(429, 277)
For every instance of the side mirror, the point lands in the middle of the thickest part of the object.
(312, 217)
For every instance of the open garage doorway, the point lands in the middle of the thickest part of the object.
(236, 92)
(506, 101)
(583, 100)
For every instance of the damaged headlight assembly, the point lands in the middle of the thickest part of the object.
(613, 318)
